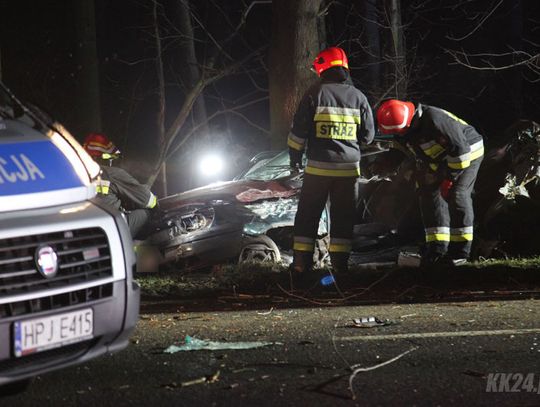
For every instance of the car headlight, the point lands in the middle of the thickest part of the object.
(193, 220)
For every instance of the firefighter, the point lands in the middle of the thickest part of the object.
(331, 121)
(117, 188)
(449, 152)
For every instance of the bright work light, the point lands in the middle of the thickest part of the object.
(211, 165)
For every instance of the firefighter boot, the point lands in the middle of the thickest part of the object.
(340, 262)
(302, 262)
(300, 274)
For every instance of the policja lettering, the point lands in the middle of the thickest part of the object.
(27, 170)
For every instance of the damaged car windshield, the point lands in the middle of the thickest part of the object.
(273, 168)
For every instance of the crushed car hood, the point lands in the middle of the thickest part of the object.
(244, 191)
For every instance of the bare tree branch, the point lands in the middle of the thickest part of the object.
(204, 81)
(234, 111)
(214, 41)
(478, 25)
(463, 58)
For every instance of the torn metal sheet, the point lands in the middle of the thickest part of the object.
(511, 188)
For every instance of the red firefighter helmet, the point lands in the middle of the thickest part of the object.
(395, 116)
(97, 144)
(329, 58)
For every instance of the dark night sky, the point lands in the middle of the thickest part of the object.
(38, 50)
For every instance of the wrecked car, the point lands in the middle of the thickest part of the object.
(251, 217)
(507, 200)
(247, 219)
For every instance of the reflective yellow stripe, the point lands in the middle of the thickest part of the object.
(335, 130)
(338, 62)
(477, 154)
(438, 237)
(434, 167)
(433, 151)
(339, 248)
(453, 116)
(339, 118)
(332, 173)
(153, 202)
(293, 144)
(102, 189)
(303, 247)
(473, 155)
(459, 165)
(466, 237)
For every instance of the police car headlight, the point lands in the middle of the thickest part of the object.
(86, 168)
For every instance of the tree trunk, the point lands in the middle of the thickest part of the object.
(396, 72)
(185, 59)
(88, 100)
(373, 44)
(294, 46)
(161, 96)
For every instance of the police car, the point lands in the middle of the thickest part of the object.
(67, 292)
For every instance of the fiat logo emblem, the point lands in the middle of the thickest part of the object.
(46, 261)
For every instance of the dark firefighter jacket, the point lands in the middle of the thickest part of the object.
(120, 190)
(332, 119)
(443, 141)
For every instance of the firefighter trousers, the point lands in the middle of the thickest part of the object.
(136, 220)
(316, 190)
(449, 224)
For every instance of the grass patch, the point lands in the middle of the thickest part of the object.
(261, 278)
(221, 278)
(521, 263)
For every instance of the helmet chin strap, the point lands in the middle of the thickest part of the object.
(419, 110)
(417, 114)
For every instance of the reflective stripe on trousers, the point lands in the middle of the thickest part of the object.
(449, 225)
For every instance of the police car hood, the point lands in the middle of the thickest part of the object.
(37, 170)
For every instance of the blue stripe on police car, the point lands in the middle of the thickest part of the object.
(34, 166)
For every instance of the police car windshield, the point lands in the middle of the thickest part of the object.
(273, 168)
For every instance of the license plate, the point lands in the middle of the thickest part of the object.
(39, 334)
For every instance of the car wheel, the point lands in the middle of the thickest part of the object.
(259, 249)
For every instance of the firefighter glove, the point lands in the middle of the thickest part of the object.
(445, 188)
(295, 159)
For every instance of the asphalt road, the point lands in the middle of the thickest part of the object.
(454, 351)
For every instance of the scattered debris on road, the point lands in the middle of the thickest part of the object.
(191, 343)
(474, 373)
(408, 259)
(370, 322)
(357, 369)
(213, 378)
